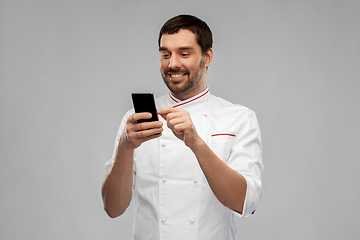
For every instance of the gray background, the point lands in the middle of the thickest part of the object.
(67, 69)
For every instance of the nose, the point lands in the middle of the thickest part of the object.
(174, 62)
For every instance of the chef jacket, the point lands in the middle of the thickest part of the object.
(172, 198)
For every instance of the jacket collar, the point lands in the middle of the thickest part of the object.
(200, 98)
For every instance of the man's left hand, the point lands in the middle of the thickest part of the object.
(180, 123)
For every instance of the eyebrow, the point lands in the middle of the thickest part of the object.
(162, 49)
(185, 48)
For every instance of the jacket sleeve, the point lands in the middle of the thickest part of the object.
(246, 158)
(110, 162)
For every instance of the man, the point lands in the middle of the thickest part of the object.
(197, 167)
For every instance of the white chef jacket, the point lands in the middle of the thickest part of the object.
(172, 198)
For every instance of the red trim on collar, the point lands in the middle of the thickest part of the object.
(191, 99)
(172, 98)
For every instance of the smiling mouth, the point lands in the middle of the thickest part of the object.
(176, 75)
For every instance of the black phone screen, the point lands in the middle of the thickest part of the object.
(144, 102)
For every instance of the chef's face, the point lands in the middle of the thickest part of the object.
(182, 64)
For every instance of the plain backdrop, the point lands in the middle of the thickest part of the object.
(68, 67)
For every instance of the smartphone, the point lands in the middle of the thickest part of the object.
(145, 102)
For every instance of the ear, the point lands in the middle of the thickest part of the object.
(208, 58)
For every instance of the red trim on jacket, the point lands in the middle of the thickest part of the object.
(191, 99)
(173, 98)
(223, 134)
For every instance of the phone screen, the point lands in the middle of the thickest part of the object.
(144, 102)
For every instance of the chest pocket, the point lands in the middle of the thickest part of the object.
(221, 144)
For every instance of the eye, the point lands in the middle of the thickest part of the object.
(185, 54)
(165, 55)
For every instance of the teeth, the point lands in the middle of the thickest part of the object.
(176, 75)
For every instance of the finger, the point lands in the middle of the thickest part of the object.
(174, 115)
(136, 141)
(145, 133)
(137, 116)
(147, 125)
(165, 111)
(151, 137)
(172, 122)
(181, 127)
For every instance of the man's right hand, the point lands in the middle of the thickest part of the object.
(136, 133)
(117, 187)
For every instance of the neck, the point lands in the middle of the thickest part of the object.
(184, 96)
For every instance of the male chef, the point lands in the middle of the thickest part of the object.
(197, 168)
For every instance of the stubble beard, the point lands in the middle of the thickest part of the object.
(183, 87)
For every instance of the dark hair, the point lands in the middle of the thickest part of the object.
(192, 23)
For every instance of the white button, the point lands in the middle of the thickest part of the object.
(163, 220)
(164, 180)
(205, 115)
(195, 181)
(192, 221)
(163, 145)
